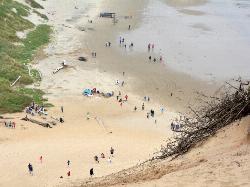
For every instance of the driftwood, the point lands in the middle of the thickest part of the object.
(232, 105)
(15, 81)
(37, 122)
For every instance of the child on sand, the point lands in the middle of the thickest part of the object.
(109, 160)
(41, 159)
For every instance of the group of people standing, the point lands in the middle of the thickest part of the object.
(124, 44)
(10, 124)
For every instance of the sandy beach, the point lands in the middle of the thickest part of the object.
(172, 85)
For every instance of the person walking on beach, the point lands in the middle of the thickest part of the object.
(96, 159)
(148, 115)
(91, 172)
(154, 59)
(41, 159)
(126, 97)
(13, 125)
(148, 99)
(149, 46)
(112, 151)
(123, 73)
(149, 58)
(160, 59)
(117, 97)
(62, 109)
(30, 167)
(68, 174)
(129, 27)
(135, 108)
(68, 163)
(153, 46)
(142, 107)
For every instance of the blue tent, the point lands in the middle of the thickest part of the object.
(87, 92)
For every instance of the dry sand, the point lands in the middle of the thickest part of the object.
(221, 161)
(134, 137)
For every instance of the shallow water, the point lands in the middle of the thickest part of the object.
(214, 45)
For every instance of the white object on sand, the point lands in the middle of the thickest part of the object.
(15, 81)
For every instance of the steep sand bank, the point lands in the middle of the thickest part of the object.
(221, 161)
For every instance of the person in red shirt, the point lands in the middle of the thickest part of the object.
(126, 97)
(68, 173)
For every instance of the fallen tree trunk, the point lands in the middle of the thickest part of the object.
(44, 124)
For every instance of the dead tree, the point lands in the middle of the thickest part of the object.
(232, 105)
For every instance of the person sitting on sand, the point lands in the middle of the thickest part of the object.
(61, 120)
(91, 172)
(102, 155)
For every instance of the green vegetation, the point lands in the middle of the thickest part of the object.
(34, 4)
(15, 53)
(11, 20)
